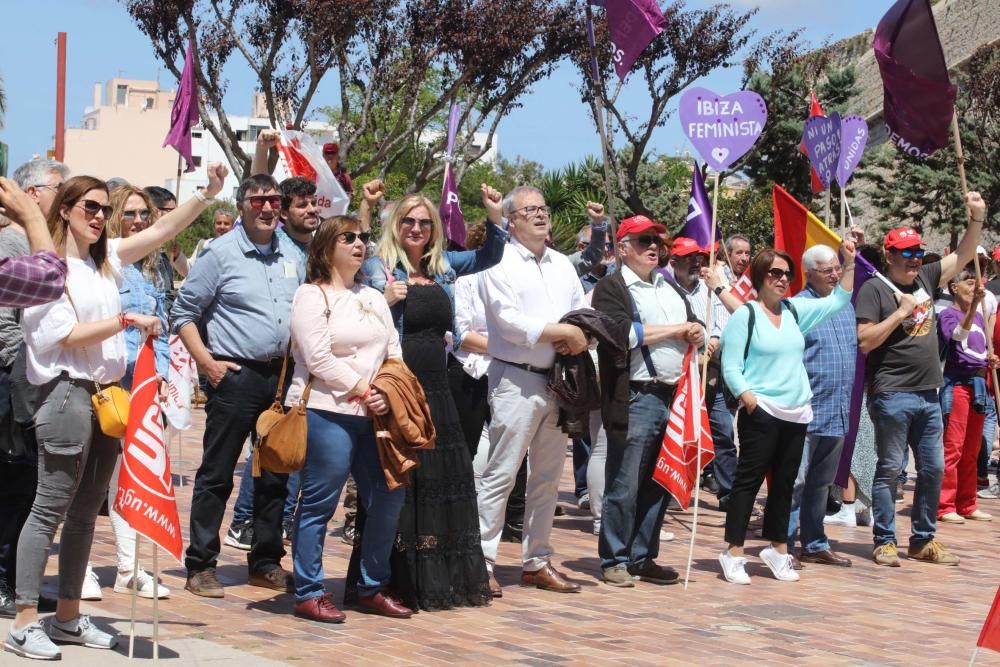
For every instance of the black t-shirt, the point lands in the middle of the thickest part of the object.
(908, 359)
(994, 286)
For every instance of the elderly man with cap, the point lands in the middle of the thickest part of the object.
(655, 318)
(896, 329)
(331, 153)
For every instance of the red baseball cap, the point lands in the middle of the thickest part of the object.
(331, 147)
(903, 237)
(638, 223)
(684, 246)
(996, 254)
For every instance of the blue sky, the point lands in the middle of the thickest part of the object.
(553, 127)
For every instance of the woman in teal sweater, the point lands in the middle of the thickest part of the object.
(762, 349)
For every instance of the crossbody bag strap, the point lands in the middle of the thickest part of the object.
(69, 297)
(309, 383)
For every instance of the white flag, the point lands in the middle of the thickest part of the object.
(181, 377)
(301, 156)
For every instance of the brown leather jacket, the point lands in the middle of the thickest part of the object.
(407, 426)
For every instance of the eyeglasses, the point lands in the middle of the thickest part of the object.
(257, 201)
(350, 237)
(778, 274)
(829, 271)
(911, 253)
(423, 222)
(142, 214)
(646, 240)
(47, 186)
(92, 208)
(532, 211)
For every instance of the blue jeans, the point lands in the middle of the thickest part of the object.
(989, 432)
(820, 461)
(720, 419)
(633, 503)
(243, 509)
(900, 417)
(581, 457)
(339, 445)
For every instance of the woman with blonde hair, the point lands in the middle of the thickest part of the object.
(438, 562)
(75, 346)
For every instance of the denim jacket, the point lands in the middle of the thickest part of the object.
(141, 295)
(458, 263)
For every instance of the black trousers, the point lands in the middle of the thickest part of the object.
(469, 395)
(766, 444)
(231, 413)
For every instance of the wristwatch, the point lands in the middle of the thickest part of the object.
(718, 290)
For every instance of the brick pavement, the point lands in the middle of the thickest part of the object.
(917, 614)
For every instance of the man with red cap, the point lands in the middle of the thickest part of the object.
(651, 313)
(896, 329)
(331, 153)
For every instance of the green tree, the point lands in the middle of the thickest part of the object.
(202, 227)
(3, 102)
(749, 212)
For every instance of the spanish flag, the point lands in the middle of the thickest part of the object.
(797, 229)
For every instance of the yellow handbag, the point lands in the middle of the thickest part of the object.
(111, 409)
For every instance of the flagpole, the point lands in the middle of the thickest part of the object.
(135, 588)
(598, 88)
(156, 606)
(975, 653)
(843, 206)
(826, 213)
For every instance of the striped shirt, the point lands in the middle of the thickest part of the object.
(697, 297)
(31, 280)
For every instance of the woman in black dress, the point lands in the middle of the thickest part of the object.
(438, 560)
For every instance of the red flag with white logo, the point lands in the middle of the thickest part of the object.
(743, 288)
(677, 466)
(989, 637)
(145, 485)
(301, 156)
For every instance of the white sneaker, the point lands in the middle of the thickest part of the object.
(144, 589)
(666, 536)
(780, 564)
(733, 568)
(91, 586)
(845, 516)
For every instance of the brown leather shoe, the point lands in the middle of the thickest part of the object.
(796, 563)
(495, 588)
(319, 608)
(277, 579)
(826, 557)
(205, 584)
(548, 579)
(384, 605)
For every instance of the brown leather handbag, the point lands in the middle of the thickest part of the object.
(281, 436)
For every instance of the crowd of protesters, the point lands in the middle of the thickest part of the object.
(468, 347)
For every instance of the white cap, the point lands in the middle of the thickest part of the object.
(980, 250)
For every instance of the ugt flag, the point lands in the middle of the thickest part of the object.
(919, 96)
(300, 156)
(796, 229)
(181, 376)
(184, 114)
(678, 464)
(450, 209)
(989, 637)
(633, 25)
(699, 215)
(145, 485)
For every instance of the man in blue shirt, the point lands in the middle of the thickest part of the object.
(300, 212)
(830, 354)
(232, 314)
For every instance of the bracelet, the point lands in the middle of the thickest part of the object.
(979, 221)
(123, 321)
(200, 196)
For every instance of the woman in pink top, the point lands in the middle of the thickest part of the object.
(342, 332)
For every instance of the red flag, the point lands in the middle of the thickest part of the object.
(814, 110)
(743, 288)
(990, 635)
(687, 429)
(797, 229)
(184, 114)
(145, 485)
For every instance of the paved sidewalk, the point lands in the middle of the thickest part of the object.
(917, 614)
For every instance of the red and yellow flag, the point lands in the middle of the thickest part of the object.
(796, 229)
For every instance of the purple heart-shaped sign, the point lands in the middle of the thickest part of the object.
(722, 128)
(821, 136)
(853, 139)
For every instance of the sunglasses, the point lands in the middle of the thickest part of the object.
(142, 214)
(911, 253)
(778, 274)
(350, 237)
(423, 222)
(92, 208)
(647, 240)
(257, 201)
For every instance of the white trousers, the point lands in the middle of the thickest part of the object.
(598, 459)
(523, 421)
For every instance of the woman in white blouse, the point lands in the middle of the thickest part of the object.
(73, 345)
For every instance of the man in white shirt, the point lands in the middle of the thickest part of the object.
(659, 324)
(525, 295)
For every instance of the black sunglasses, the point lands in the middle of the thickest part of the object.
(351, 237)
(777, 274)
(647, 240)
(92, 208)
(257, 201)
(912, 253)
(423, 222)
(142, 214)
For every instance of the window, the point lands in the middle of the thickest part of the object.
(149, 103)
(196, 161)
(195, 134)
(121, 94)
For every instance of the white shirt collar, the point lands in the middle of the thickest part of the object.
(528, 254)
(630, 277)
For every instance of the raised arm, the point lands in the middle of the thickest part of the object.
(491, 252)
(262, 164)
(372, 193)
(22, 210)
(966, 251)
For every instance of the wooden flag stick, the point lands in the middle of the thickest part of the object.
(843, 216)
(134, 594)
(180, 449)
(826, 212)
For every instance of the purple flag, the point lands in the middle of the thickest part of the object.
(450, 208)
(862, 272)
(184, 114)
(699, 216)
(919, 96)
(633, 24)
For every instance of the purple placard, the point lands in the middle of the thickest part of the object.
(853, 139)
(722, 128)
(821, 136)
